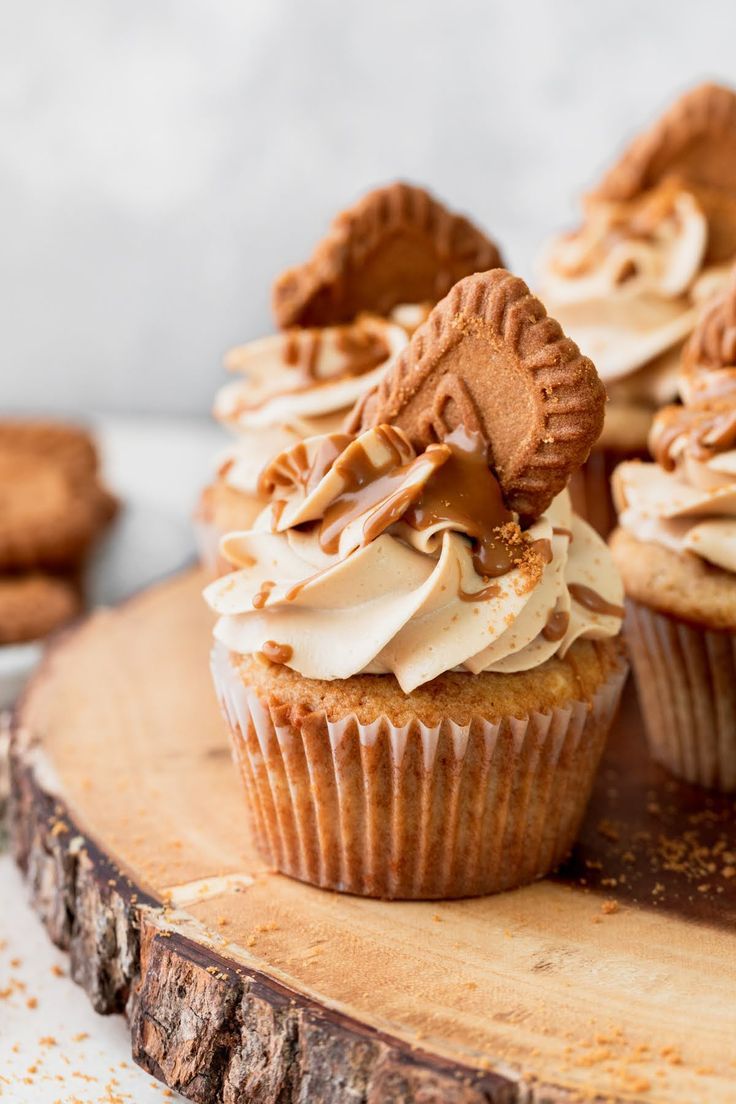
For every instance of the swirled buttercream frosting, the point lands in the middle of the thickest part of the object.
(300, 383)
(686, 500)
(627, 284)
(374, 557)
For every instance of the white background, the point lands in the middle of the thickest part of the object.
(162, 160)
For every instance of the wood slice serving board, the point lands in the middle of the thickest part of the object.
(616, 980)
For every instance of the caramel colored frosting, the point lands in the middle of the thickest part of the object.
(686, 500)
(373, 557)
(301, 383)
(627, 284)
(306, 373)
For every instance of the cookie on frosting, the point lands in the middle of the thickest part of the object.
(396, 245)
(490, 358)
(51, 503)
(33, 605)
(694, 141)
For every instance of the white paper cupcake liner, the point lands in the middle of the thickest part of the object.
(686, 677)
(413, 811)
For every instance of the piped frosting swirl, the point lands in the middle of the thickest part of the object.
(686, 500)
(628, 283)
(374, 557)
(299, 383)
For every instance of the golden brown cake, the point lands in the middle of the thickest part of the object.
(419, 680)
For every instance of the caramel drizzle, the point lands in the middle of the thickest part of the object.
(706, 432)
(362, 350)
(260, 599)
(557, 624)
(460, 489)
(294, 469)
(301, 350)
(465, 492)
(560, 531)
(276, 653)
(367, 485)
(297, 588)
(591, 600)
(493, 590)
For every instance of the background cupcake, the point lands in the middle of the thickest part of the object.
(418, 686)
(344, 316)
(676, 549)
(658, 234)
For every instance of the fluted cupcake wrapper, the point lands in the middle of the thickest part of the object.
(413, 811)
(686, 677)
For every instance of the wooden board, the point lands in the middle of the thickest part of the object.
(616, 980)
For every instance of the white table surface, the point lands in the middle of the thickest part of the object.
(53, 1048)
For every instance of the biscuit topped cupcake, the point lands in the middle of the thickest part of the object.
(417, 652)
(344, 316)
(676, 549)
(658, 235)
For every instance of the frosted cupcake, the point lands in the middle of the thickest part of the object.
(417, 653)
(344, 317)
(658, 235)
(676, 549)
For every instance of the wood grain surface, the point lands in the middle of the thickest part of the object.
(615, 980)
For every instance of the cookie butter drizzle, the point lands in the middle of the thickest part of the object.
(465, 492)
(294, 467)
(556, 625)
(593, 601)
(425, 546)
(361, 347)
(260, 599)
(460, 489)
(367, 485)
(703, 430)
(276, 653)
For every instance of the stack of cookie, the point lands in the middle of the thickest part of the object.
(52, 509)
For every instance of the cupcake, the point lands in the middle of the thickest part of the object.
(417, 653)
(658, 236)
(344, 316)
(676, 550)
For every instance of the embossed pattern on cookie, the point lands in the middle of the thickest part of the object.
(396, 245)
(694, 141)
(490, 358)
